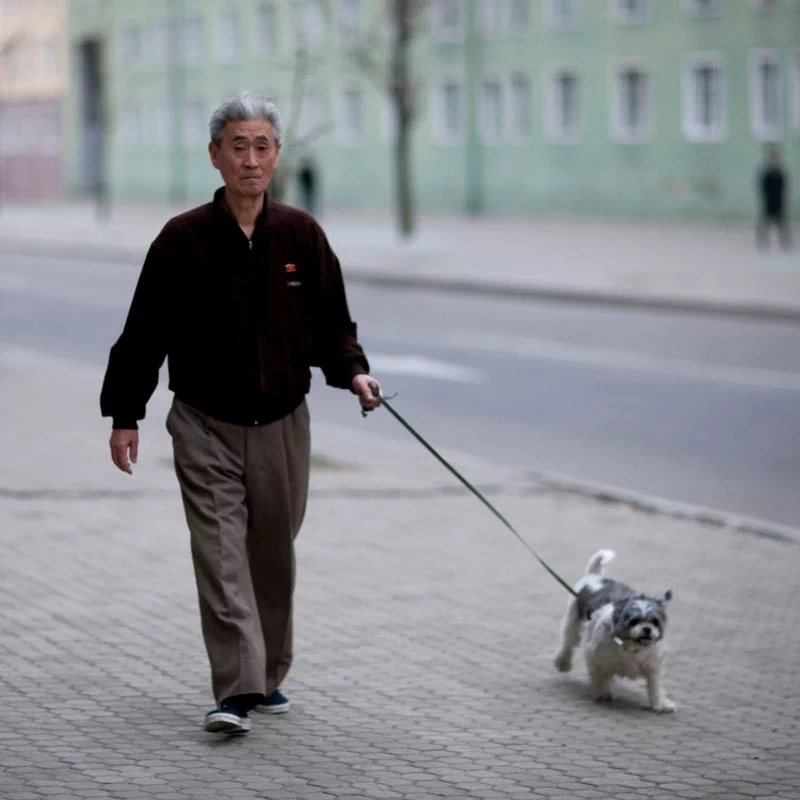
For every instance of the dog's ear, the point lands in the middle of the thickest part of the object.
(667, 597)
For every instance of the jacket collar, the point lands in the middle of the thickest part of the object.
(221, 208)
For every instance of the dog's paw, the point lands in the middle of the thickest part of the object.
(603, 697)
(664, 706)
(563, 662)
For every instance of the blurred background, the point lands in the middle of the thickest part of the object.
(550, 213)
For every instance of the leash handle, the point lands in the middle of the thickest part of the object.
(385, 403)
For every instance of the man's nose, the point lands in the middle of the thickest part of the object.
(251, 160)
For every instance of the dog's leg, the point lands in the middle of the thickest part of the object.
(570, 637)
(659, 701)
(601, 684)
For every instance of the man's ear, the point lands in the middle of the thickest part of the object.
(213, 152)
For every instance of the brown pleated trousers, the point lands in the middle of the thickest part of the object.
(244, 492)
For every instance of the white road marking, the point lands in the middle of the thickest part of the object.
(665, 366)
(382, 363)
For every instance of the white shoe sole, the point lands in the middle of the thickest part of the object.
(221, 722)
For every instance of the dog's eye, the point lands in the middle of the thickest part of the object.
(655, 623)
(634, 621)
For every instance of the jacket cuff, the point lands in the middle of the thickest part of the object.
(125, 424)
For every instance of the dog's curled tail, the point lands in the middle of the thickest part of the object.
(598, 561)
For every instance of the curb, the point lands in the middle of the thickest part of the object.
(581, 297)
(654, 504)
(134, 256)
(497, 480)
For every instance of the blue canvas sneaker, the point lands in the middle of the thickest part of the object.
(276, 703)
(226, 719)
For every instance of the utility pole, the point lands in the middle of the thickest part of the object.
(473, 58)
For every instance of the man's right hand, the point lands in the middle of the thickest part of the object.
(124, 448)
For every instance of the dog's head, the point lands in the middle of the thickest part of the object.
(641, 619)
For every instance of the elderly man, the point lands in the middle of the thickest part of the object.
(242, 295)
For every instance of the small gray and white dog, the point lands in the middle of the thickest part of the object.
(620, 632)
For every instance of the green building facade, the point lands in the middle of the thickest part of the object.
(637, 108)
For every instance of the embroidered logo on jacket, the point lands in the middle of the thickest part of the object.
(291, 268)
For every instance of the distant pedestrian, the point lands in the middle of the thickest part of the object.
(773, 188)
(243, 295)
(307, 183)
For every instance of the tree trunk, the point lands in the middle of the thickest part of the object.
(404, 196)
(402, 97)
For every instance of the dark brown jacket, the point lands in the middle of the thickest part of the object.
(241, 322)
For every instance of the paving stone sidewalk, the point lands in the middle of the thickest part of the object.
(424, 634)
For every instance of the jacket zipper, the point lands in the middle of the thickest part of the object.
(259, 342)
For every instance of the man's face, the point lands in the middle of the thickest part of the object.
(247, 156)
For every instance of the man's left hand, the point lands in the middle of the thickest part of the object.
(366, 388)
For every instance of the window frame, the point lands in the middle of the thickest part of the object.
(619, 132)
(691, 130)
(438, 133)
(553, 132)
(456, 34)
(551, 20)
(756, 100)
(619, 16)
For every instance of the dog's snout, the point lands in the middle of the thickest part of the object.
(647, 630)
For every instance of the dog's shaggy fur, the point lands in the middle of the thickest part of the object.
(620, 632)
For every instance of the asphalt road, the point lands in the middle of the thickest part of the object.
(693, 408)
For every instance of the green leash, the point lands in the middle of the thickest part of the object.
(454, 471)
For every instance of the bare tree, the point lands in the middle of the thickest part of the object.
(390, 70)
(295, 144)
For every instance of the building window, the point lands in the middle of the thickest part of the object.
(312, 113)
(704, 98)
(12, 137)
(131, 47)
(192, 41)
(491, 108)
(491, 18)
(766, 111)
(704, 8)
(564, 117)
(156, 45)
(563, 14)
(630, 12)
(448, 22)
(50, 132)
(228, 44)
(449, 112)
(195, 124)
(631, 104)
(130, 125)
(519, 17)
(266, 29)
(349, 23)
(310, 25)
(520, 107)
(351, 115)
(794, 61)
(764, 6)
(157, 125)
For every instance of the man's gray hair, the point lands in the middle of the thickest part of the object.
(244, 107)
